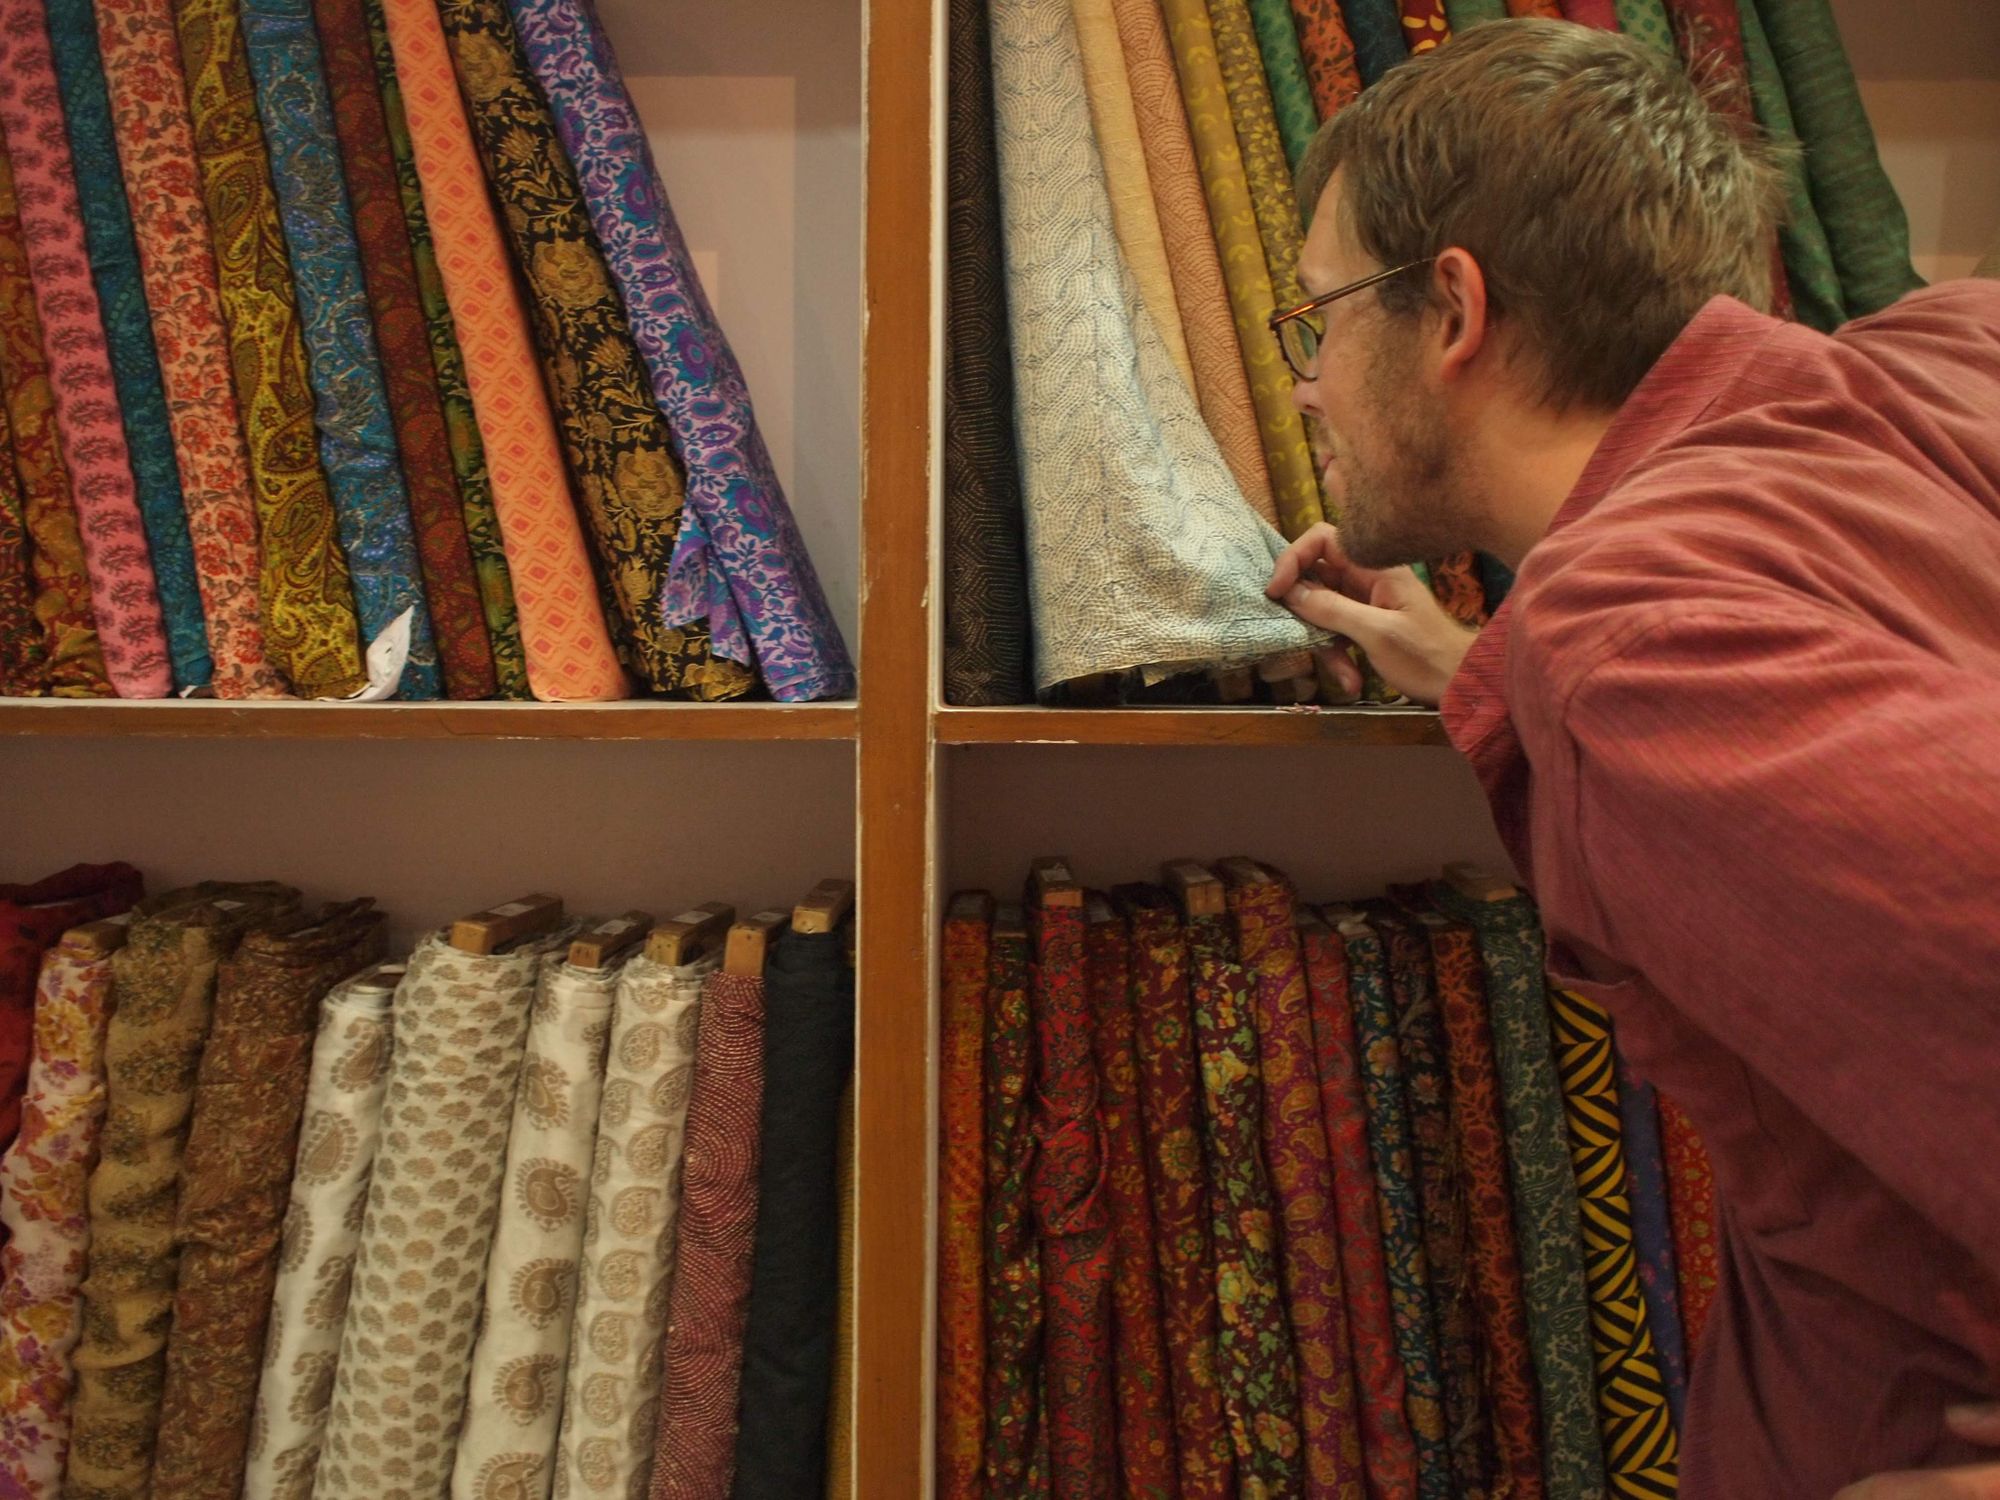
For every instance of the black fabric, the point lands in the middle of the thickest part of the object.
(789, 1340)
(986, 639)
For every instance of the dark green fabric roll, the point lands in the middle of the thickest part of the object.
(1376, 27)
(1285, 70)
(1464, 13)
(1809, 267)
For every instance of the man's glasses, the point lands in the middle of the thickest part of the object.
(1299, 329)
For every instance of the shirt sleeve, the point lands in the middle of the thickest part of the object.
(1789, 824)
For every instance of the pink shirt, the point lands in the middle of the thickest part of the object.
(1740, 726)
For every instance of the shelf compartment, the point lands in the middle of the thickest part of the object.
(284, 720)
(1305, 725)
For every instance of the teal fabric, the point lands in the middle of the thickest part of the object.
(1285, 70)
(1464, 13)
(1647, 20)
(1866, 228)
(128, 333)
(1376, 29)
(1809, 269)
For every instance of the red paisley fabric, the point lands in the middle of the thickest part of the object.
(1178, 1184)
(1697, 1228)
(1066, 1186)
(1141, 1386)
(961, 1333)
(1387, 1447)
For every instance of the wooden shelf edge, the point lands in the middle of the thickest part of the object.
(1189, 726)
(632, 720)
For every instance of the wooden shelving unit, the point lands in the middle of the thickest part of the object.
(1189, 726)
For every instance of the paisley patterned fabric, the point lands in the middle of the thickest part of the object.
(1387, 1447)
(508, 1444)
(1809, 269)
(402, 336)
(1392, 1155)
(400, 1389)
(1013, 1255)
(1300, 1163)
(1178, 1185)
(1642, 1454)
(130, 627)
(1377, 29)
(1425, 25)
(629, 481)
(155, 140)
(621, 1286)
(1441, 1193)
(1143, 552)
(1329, 54)
(73, 661)
(695, 1443)
(341, 1131)
(1254, 1353)
(1652, 1229)
(128, 332)
(1145, 1427)
(739, 563)
(235, 1182)
(986, 629)
(1249, 190)
(1285, 71)
(310, 629)
(43, 1211)
(1066, 1189)
(1481, 1133)
(357, 443)
(1220, 385)
(1546, 1222)
(164, 982)
(961, 1335)
(1697, 1227)
(563, 630)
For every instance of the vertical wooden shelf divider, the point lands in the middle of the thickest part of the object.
(895, 797)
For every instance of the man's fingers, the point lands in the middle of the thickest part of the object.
(1978, 1422)
(1307, 557)
(1332, 610)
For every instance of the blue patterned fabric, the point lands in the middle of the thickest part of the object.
(739, 560)
(128, 331)
(357, 439)
(1652, 1230)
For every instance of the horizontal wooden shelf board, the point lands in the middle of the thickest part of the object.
(287, 720)
(1305, 725)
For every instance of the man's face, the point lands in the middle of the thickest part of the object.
(1375, 415)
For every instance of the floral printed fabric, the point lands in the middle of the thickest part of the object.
(695, 1444)
(739, 562)
(400, 1390)
(130, 627)
(508, 1445)
(1301, 1166)
(1329, 55)
(337, 1143)
(1145, 1427)
(616, 1298)
(164, 983)
(961, 1347)
(1392, 1155)
(1178, 1183)
(235, 1180)
(1254, 1355)
(155, 140)
(1387, 1446)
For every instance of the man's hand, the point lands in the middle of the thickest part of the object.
(1975, 1424)
(1388, 613)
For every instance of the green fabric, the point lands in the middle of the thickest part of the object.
(1809, 268)
(1866, 228)
(1464, 13)
(1285, 68)
(1647, 20)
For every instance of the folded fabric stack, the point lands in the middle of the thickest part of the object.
(353, 345)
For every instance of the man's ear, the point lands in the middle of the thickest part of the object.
(1458, 287)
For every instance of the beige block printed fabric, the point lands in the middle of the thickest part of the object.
(337, 1143)
(610, 1403)
(507, 1450)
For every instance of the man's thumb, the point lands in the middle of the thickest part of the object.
(1332, 610)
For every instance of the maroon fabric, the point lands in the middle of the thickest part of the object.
(1754, 661)
(32, 917)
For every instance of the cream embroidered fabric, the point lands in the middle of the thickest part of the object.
(1142, 551)
(507, 1450)
(337, 1143)
(609, 1406)
(399, 1392)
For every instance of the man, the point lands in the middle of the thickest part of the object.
(1740, 719)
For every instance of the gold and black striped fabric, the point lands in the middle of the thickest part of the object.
(1641, 1448)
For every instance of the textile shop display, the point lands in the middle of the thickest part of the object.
(1042, 408)
(1352, 1143)
(277, 404)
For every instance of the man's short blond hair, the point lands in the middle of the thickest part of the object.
(1602, 196)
